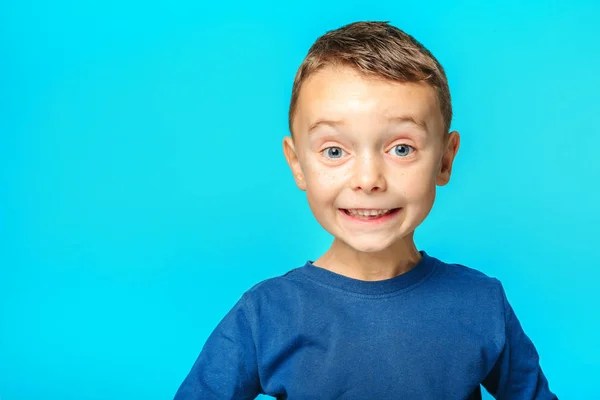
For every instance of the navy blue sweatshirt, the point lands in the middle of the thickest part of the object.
(437, 332)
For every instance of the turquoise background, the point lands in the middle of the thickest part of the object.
(143, 188)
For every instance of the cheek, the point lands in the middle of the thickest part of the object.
(324, 180)
(419, 185)
(322, 190)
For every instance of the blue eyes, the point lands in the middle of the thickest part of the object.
(333, 152)
(400, 150)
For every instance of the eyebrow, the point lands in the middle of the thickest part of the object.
(402, 119)
(408, 119)
(322, 122)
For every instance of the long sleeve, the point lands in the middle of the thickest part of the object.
(517, 373)
(226, 367)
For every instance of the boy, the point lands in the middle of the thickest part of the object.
(373, 317)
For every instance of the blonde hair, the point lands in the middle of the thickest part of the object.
(377, 49)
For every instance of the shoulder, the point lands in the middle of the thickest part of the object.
(271, 301)
(461, 273)
(276, 290)
(471, 297)
(469, 282)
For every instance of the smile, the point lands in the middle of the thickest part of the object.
(371, 215)
(366, 213)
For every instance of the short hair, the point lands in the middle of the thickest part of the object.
(375, 49)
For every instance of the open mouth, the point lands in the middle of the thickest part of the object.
(366, 214)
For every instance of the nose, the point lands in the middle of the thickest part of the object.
(368, 175)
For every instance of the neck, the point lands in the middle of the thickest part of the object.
(393, 261)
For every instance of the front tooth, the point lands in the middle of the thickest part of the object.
(368, 213)
(371, 213)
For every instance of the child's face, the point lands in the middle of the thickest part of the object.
(370, 144)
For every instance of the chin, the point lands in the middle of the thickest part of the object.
(368, 246)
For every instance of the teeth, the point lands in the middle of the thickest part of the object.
(368, 213)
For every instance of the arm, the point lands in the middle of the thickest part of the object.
(226, 367)
(517, 373)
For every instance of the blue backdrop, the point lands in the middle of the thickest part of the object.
(143, 187)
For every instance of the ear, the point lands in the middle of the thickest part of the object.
(289, 151)
(451, 145)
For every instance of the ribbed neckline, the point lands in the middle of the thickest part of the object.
(403, 281)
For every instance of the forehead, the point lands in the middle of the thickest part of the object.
(342, 94)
